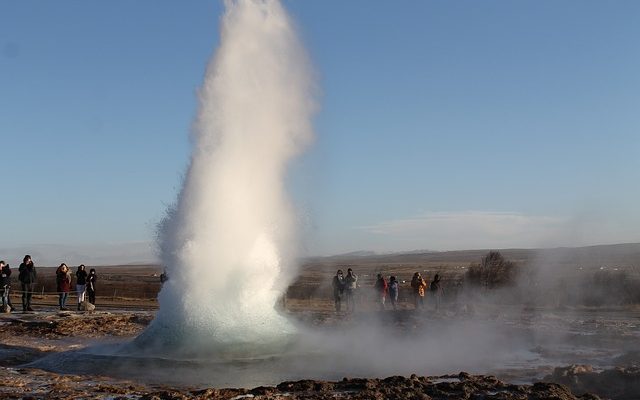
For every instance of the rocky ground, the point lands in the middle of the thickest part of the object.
(37, 384)
(621, 383)
(27, 337)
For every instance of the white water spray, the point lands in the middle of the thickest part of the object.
(228, 242)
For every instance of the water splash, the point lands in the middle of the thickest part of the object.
(228, 242)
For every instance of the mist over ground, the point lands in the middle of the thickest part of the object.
(501, 330)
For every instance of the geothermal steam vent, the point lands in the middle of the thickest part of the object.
(227, 242)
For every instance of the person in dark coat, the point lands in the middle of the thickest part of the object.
(27, 276)
(91, 286)
(436, 291)
(164, 277)
(338, 289)
(81, 284)
(63, 285)
(5, 286)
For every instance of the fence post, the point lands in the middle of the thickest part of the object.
(42, 294)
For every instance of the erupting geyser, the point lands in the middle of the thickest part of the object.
(228, 242)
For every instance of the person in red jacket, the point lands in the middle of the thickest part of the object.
(63, 285)
(381, 290)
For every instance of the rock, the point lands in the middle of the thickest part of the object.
(628, 359)
(262, 390)
(33, 383)
(617, 383)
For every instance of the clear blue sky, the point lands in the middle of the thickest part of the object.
(443, 124)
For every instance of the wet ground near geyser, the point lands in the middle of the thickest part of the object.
(518, 346)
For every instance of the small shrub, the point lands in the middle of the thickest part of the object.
(493, 271)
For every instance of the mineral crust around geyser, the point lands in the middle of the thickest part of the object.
(37, 384)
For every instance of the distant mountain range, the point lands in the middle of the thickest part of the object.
(369, 253)
(145, 253)
(627, 254)
(104, 254)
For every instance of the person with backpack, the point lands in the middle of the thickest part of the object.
(27, 276)
(393, 291)
(81, 284)
(419, 286)
(338, 289)
(350, 286)
(381, 290)
(5, 286)
(63, 285)
(436, 291)
(91, 286)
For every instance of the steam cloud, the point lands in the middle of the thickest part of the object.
(228, 242)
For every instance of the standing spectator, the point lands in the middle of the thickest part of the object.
(381, 290)
(63, 285)
(350, 286)
(393, 291)
(81, 284)
(338, 289)
(91, 286)
(419, 286)
(5, 287)
(437, 291)
(164, 277)
(27, 276)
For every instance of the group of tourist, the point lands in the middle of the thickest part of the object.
(344, 287)
(27, 276)
(85, 285)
